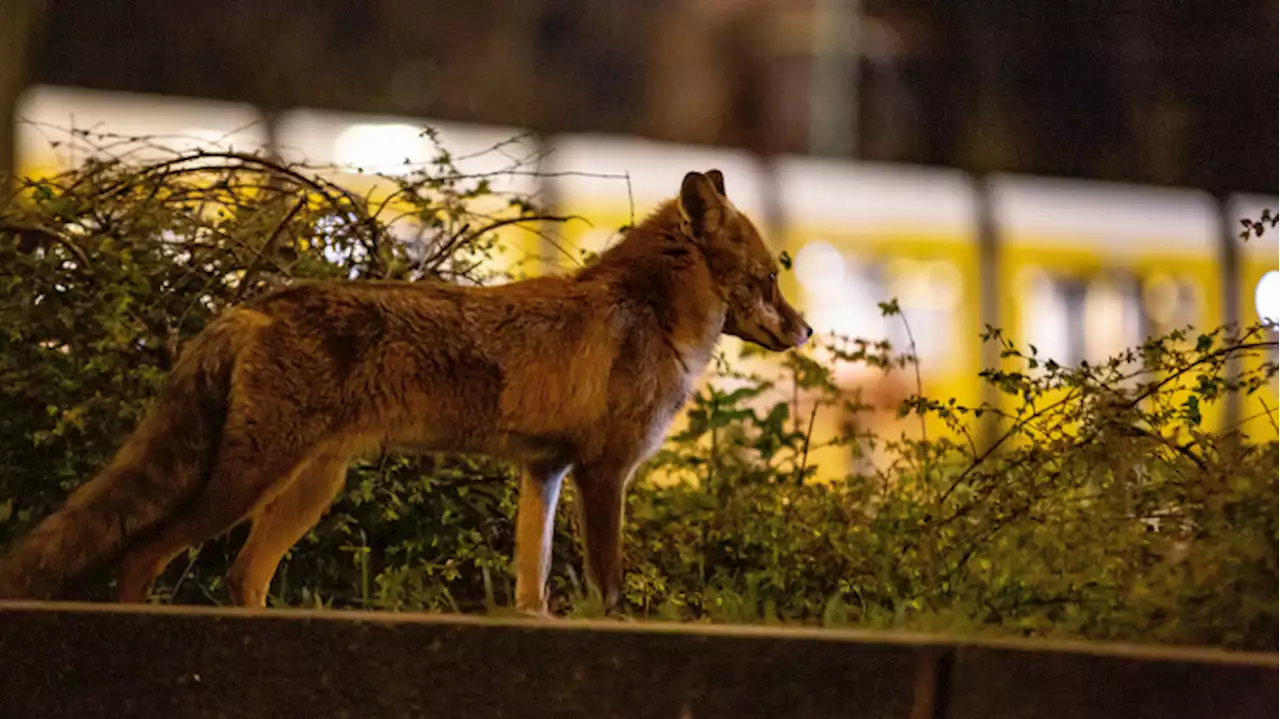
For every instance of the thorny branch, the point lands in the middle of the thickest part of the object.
(247, 280)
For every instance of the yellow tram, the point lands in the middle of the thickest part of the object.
(1084, 269)
(861, 234)
(1088, 269)
(1258, 295)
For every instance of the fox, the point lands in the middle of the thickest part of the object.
(575, 374)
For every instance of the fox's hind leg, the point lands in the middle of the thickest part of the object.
(255, 461)
(535, 528)
(280, 524)
(141, 566)
(219, 508)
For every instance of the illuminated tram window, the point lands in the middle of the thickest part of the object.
(1072, 319)
(843, 292)
(1046, 319)
(1112, 318)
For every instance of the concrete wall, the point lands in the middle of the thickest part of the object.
(66, 660)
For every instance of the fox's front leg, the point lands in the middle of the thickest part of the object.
(602, 490)
(535, 529)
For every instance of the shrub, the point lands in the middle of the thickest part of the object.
(1105, 508)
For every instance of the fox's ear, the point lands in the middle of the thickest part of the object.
(717, 181)
(701, 204)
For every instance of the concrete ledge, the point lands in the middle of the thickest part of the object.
(87, 661)
(1045, 684)
(81, 660)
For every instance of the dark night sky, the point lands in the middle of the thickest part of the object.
(1143, 90)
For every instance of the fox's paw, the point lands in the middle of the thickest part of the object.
(533, 614)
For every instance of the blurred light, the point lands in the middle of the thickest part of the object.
(905, 281)
(596, 240)
(820, 268)
(1028, 280)
(1110, 320)
(1267, 297)
(381, 147)
(205, 134)
(1160, 296)
(928, 291)
(928, 284)
(945, 278)
(1190, 300)
(1044, 315)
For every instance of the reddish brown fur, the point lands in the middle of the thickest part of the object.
(581, 372)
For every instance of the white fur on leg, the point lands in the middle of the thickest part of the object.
(535, 529)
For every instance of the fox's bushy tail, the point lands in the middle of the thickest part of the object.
(164, 462)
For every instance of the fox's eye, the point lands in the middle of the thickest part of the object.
(773, 276)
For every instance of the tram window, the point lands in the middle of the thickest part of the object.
(843, 292)
(1112, 318)
(1046, 319)
(1072, 319)
(840, 292)
(1188, 308)
(928, 293)
(1169, 303)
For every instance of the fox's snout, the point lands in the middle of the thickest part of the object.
(794, 330)
(777, 327)
(803, 333)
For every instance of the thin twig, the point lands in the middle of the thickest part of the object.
(266, 249)
(804, 457)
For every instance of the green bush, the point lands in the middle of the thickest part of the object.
(1104, 509)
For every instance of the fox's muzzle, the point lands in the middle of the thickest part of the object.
(794, 330)
(778, 328)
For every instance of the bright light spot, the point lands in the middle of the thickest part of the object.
(382, 148)
(820, 268)
(1266, 297)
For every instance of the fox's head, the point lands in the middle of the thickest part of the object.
(745, 272)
